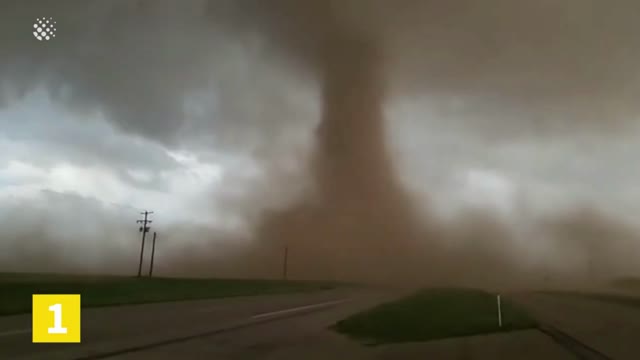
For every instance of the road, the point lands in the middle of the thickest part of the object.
(294, 326)
(608, 328)
(137, 330)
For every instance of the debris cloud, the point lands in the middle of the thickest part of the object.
(498, 70)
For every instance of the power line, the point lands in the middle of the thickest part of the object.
(143, 229)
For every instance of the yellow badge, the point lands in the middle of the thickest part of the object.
(56, 318)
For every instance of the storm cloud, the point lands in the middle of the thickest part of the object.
(519, 110)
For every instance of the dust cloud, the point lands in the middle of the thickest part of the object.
(360, 223)
(358, 218)
(552, 68)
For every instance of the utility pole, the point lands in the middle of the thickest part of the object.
(285, 260)
(143, 229)
(153, 251)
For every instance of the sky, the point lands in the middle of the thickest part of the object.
(205, 113)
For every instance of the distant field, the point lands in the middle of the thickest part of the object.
(627, 283)
(625, 291)
(627, 300)
(620, 299)
(434, 314)
(16, 289)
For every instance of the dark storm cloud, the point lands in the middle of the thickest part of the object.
(60, 138)
(164, 70)
(544, 66)
(132, 60)
(551, 67)
(538, 66)
(240, 74)
(42, 135)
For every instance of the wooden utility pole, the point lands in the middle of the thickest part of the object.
(153, 251)
(143, 229)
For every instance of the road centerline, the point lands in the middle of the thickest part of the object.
(298, 308)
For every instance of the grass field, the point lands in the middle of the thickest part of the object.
(434, 314)
(16, 289)
(625, 291)
(631, 284)
(627, 300)
(619, 299)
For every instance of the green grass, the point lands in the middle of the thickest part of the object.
(16, 289)
(434, 314)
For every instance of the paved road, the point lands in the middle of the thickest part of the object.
(295, 326)
(306, 337)
(609, 328)
(293, 338)
(113, 329)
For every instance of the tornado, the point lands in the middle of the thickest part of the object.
(358, 224)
